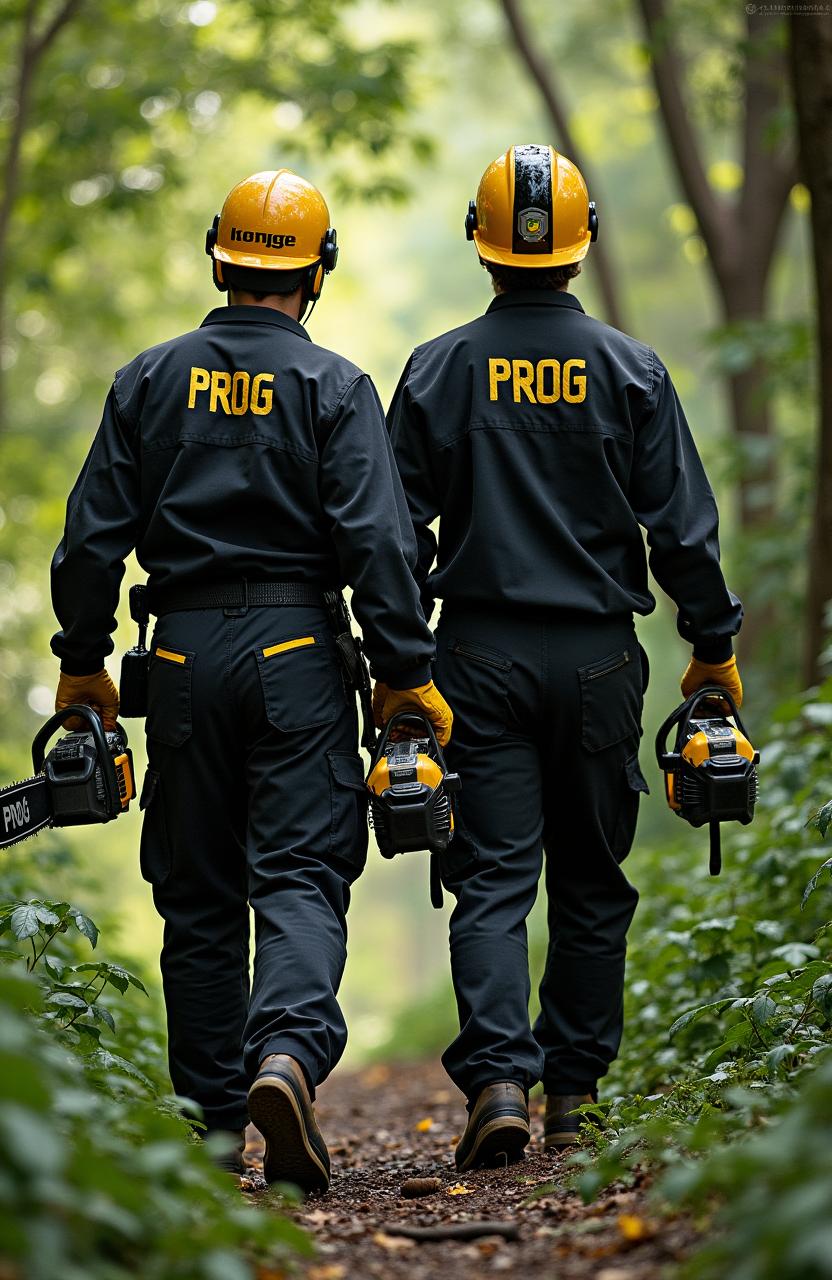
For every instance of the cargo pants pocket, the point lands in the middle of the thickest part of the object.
(460, 860)
(348, 833)
(633, 785)
(154, 849)
(474, 679)
(169, 695)
(300, 679)
(611, 699)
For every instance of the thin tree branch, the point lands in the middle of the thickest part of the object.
(668, 77)
(545, 82)
(52, 29)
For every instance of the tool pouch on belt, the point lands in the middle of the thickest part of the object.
(353, 662)
(136, 662)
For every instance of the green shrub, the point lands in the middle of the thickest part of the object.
(99, 1179)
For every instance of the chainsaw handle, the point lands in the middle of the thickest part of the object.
(682, 716)
(424, 724)
(56, 722)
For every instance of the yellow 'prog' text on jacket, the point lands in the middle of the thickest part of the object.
(236, 393)
(543, 382)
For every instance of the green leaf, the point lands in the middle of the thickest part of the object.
(25, 923)
(45, 916)
(815, 880)
(103, 1015)
(778, 1056)
(795, 954)
(822, 995)
(66, 1000)
(85, 926)
(87, 1029)
(54, 965)
(693, 1015)
(103, 1060)
(822, 818)
(762, 1008)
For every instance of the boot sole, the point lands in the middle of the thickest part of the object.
(289, 1156)
(499, 1141)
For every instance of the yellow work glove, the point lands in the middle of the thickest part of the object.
(426, 699)
(97, 691)
(723, 673)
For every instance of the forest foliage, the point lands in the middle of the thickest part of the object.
(138, 117)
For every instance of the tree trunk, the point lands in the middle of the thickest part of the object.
(740, 237)
(811, 64)
(544, 78)
(32, 47)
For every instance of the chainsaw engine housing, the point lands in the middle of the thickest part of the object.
(411, 791)
(711, 775)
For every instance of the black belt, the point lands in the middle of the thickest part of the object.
(233, 595)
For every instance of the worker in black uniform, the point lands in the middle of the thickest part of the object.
(251, 470)
(543, 439)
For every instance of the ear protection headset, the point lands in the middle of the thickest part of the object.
(314, 274)
(471, 220)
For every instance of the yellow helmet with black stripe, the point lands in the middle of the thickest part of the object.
(532, 210)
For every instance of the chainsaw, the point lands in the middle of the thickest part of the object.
(411, 793)
(86, 777)
(711, 774)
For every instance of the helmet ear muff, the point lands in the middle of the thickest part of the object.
(471, 220)
(329, 250)
(592, 221)
(313, 281)
(210, 246)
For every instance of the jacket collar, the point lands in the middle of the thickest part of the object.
(535, 298)
(255, 315)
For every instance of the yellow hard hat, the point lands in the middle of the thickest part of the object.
(532, 210)
(274, 221)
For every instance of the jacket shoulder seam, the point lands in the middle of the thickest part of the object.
(327, 418)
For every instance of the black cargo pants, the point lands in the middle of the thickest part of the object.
(546, 733)
(254, 795)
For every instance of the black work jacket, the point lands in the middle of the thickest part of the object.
(544, 439)
(242, 451)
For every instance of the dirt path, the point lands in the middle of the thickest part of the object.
(388, 1124)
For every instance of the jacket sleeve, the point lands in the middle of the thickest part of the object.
(101, 528)
(414, 464)
(362, 496)
(671, 497)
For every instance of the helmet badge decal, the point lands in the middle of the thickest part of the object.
(533, 224)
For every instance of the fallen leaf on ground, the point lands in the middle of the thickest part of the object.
(424, 1125)
(634, 1228)
(330, 1271)
(459, 1189)
(393, 1242)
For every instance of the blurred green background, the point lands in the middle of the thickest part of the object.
(140, 117)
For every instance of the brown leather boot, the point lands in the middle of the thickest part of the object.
(280, 1106)
(498, 1128)
(560, 1129)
